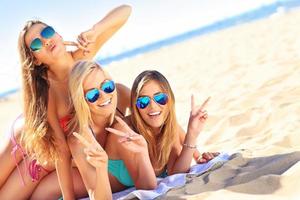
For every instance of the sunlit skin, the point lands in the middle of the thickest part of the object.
(53, 48)
(133, 154)
(154, 114)
(107, 102)
(58, 63)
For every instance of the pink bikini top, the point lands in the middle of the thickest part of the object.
(33, 167)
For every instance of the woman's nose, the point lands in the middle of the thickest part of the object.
(153, 104)
(47, 42)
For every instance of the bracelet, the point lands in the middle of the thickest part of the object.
(190, 146)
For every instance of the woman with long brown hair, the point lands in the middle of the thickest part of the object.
(45, 71)
(153, 116)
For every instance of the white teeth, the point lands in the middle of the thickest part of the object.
(154, 113)
(106, 102)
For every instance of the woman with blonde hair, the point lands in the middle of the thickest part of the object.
(97, 103)
(45, 72)
(153, 116)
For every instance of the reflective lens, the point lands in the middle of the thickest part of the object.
(161, 98)
(94, 94)
(142, 102)
(108, 86)
(36, 44)
(47, 32)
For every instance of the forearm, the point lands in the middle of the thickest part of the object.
(63, 169)
(182, 135)
(102, 189)
(116, 17)
(146, 178)
(183, 162)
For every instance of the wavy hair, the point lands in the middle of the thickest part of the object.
(36, 137)
(82, 116)
(159, 147)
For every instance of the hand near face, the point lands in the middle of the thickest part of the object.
(129, 139)
(86, 38)
(78, 45)
(198, 117)
(95, 154)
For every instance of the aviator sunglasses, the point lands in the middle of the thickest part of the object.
(143, 101)
(46, 33)
(93, 95)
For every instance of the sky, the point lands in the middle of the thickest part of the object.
(150, 21)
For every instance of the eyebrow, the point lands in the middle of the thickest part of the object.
(106, 79)
(153, 94)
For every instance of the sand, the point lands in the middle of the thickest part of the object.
(252, 73)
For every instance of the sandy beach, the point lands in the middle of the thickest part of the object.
(252, 73)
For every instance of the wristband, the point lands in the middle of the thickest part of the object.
(190, 146)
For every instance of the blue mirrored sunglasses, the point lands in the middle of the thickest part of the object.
(94, 94)
(46, 33)
(143, 101)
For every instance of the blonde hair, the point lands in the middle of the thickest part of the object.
(159, 148)
(82, 116)
(37, 139)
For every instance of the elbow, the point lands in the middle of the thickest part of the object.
(151, 185)
(172, 172)
(125, 10)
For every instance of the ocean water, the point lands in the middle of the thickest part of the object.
(10, 82)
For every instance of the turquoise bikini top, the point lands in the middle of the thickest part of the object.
(118, 169)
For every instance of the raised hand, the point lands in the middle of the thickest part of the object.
(95, 154)
(129, 139)
(197, 118)
(85, 38)
(78, 45)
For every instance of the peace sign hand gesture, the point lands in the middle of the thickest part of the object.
(95, 154)
(129, 139)
(78, 45)
(198, 117)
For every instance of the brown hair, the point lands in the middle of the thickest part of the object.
(37, 139)
(159, 148)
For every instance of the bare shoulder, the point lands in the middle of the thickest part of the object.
(123, 98)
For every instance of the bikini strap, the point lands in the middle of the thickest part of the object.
(17, 147)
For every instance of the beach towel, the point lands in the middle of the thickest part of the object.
(173, 181)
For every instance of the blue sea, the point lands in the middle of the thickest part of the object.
(263, 11)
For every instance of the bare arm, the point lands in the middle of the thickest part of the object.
(94, 38)
(182, 162)
(182, 136)
(63, 164)
(123, 98)
(92, 165)
(134, 153)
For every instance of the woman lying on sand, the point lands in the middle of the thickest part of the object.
(153, 117)
(97, 101)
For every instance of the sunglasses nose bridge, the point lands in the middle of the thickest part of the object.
(46, 41)
(152, 103)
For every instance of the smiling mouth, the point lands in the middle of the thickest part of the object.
(105, 103)
(152, 114)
